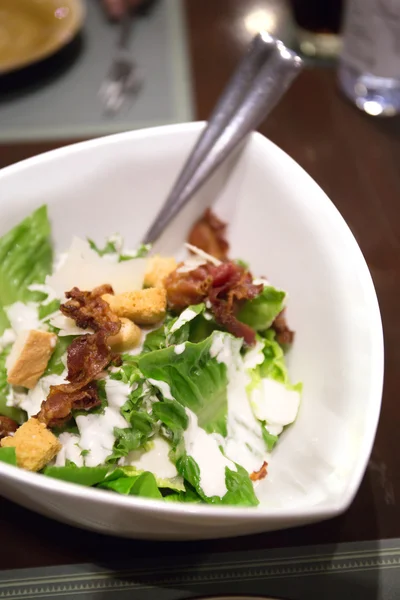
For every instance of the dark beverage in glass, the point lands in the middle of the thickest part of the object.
(318, 26)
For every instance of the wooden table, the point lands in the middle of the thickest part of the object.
(355, 159)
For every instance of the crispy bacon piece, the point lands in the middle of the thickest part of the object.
(62, 399)
(88, 309)
(261, 473)
(225, 286)
(7, 426)
(208, 234)
(284, 335)
(184, 289)
(231, 286)
(88, 356)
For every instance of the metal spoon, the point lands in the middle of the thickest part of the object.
(261, 79)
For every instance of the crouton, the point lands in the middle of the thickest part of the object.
(29, 356)
(144, 307)
(35, 446)
(128, 337)
(158, 268)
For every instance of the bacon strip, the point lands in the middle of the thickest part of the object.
(88, 356)
(284, 335)
(226, 287)
(7, 426)
(261, 473)
(208, 234)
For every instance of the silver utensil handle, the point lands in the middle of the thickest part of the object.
(258, 84)
(233, 95)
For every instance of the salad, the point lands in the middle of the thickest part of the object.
(139, 374)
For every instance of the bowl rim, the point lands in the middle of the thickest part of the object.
(334, 504)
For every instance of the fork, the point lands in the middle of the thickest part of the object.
(122, 77)
(262, 77)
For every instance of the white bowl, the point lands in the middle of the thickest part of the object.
(287, 228)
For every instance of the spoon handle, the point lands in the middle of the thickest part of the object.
(263, 76)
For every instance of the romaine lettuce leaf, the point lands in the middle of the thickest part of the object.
(240, 490)
(172, 414)
(55, 365)
(260, 312)
(175, 330)
(188, 495)
(175, 484)
(197, 381)
(26, 257)
(143, 485)
(7, 411)
(83, 475)
(8, 456)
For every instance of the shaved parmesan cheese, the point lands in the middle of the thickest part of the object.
(214, 261)
(85, 269)
(67, 326)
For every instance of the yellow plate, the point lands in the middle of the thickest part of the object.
(31, 30)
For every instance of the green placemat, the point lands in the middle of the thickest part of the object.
(367, 571)
(60, 97)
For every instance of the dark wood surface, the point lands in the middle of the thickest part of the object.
(355, 159)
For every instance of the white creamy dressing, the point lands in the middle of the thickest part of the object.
(163, 387)
(7, 338)
(187, 315)
(179, 348)
(254, 356)
(117, 393)
(204, 449)
(31, 401)
(244, 443)
(97, 430)
(156, 460)
(97, 434)
(66, 325)
(23, 316)
(274, 403)
(85, 269)
(70, 450)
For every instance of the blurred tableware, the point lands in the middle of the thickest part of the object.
(32, 30)
(259, 82)
(123, 77)
(369, 71)
(318, 25)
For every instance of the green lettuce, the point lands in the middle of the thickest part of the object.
(7, 411)
(143, 485)
(111, 248)
(176, 483)
(197, 381)
(240, 490)
(163, 337)
(55, 365)
(260, 312)
(26, 257)
(88, 476)
(8, 455)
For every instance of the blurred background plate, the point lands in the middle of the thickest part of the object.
(31, 30)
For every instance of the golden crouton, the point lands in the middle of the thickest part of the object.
(158, 268)
(128, 337)
(144, 307)
(29, 356)
(34, 444)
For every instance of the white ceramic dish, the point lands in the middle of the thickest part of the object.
(286, 227)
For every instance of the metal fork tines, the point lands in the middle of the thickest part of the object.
(122, 77)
